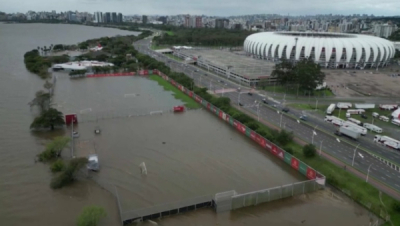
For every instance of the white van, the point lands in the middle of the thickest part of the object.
(396, 122)
(353, 120)
(384, 118)
(348, 115)
(375, 115)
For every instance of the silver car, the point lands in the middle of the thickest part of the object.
(93, 162)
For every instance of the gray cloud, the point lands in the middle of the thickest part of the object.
(210, 7)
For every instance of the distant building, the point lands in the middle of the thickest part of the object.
(187, 21)
(119, 18)
(108, 18)
(114, 17)
(221, 23)
(199, 21)
(163, 19)
(237, 26)
(384, 30)
(98, 17)
(144, 19)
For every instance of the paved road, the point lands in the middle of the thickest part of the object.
(342, 151)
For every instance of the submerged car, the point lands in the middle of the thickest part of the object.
(93, 163)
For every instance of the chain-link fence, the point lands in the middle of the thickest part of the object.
(271, 194)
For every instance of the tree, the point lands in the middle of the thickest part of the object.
(42, 100)
(309, 150)
(91, 215)
(54, 148)
(48, 119)
(305, 74)
(48, 85)
(283, 137)
(68, 175)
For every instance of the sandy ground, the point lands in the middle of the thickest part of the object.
(350, 83)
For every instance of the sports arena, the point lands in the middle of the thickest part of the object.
(330, 50)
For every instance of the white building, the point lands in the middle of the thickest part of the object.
(98, 17)
(384, 30)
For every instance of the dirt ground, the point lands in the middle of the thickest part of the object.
(350, 83)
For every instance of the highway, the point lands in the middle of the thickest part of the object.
(334, 146)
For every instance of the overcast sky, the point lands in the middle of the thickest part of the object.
(209, 7)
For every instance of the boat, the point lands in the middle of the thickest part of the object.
(93, 163)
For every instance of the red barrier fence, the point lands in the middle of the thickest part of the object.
(295, 163)
(141, 72)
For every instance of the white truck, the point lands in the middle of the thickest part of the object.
(349, 132)
(330, 109)
(372, 127)
(395, 122)
(384, 118)
(344, 105)
(387, 141)
(356, 111)
(388, 107)
(363, 131)
(355, 121)
(334, 120)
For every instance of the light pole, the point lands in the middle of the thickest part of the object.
(354, 155)
(366, 180)
(313, 134)
(239, 99)
(373, 120)
(258, 111)
(320, 148)
(280, 122)
(340, 109)
(316, 104)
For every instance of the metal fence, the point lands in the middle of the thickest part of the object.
(271, 194)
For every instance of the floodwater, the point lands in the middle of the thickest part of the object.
(25, 195)
(186, 155)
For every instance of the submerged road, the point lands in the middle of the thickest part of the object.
(338, 147)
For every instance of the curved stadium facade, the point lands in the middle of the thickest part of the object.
(330, 50)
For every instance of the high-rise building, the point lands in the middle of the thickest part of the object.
(384, 30)
(108, 18)
(163, 19)
(187, 21)
(144, 19)
(119, 20)
(199, 21)
(98, 17)
(114, 17)
(221, 23)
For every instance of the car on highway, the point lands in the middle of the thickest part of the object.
(303, 117)
(364, 116)
(196, 70)
(265, 101)
(250, 94)
(240, 104)
(205, 74)
(286, 110)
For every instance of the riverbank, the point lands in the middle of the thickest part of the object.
(189, 102)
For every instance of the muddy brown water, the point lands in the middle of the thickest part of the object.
(187, 155)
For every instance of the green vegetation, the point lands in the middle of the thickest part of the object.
(201, 36)
(67, 176)
(304, 76)
(309, 150)
(41, 100)
(48, 119)
(57, 166)
(36, 63)
(395, 36)
(53, 149)
(189, 102)
(91, 215)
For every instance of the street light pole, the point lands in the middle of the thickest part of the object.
(354, 155)
(316, 104)
(239, 99)
(320, 148)
(280, 123)
(258, 111)
(366, 180)
(313, 133)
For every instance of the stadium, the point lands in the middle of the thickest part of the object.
(330, 50)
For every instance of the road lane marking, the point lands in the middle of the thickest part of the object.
(383, 178)
(388, 176)
(397, 185)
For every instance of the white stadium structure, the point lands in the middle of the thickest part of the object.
(330, 50)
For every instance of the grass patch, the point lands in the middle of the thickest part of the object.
(170, 33)
(293, 91)
(189, 102)
(156, 47)
(307, 107)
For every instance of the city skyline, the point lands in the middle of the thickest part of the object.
(211, 8)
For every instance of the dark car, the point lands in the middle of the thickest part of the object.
(264, 101)
(240, 104)
(337, 133)
(205, 74)
(364, 116)
(250, 94)
(286, 110)
(303, 117)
